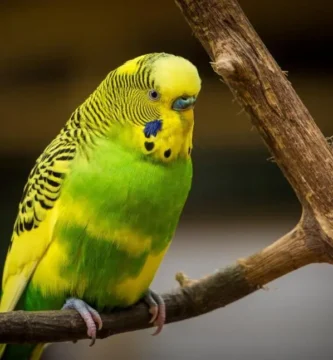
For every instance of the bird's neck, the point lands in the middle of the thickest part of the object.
(93, 114)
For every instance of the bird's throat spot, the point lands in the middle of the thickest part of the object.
(149, 145)
(167, 153)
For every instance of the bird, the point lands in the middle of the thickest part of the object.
(102, 203)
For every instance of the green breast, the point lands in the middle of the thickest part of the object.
(118, 213)
(130, 190)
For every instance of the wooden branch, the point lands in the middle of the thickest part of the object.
(194, 298)
(259, 85)
(299, 148)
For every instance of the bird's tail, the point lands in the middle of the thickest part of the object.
(23, 352)
(18, 351)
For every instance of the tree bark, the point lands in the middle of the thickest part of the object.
(286, 126)
(193, 298)
(299, 148)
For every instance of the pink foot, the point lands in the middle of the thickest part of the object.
(90, 316)
(157, 309)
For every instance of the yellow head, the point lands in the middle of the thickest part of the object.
(152, 97)
(168, 82)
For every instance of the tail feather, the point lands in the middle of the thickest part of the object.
(2, 349)
(23, 352)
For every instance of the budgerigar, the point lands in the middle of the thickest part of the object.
(103, 200)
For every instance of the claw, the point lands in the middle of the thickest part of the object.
(154, 311)
(157, 309)
(90, 316)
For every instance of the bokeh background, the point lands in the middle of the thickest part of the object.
(54, 53)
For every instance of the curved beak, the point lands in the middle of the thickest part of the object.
(184, 103)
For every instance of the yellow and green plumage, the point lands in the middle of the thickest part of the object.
(103, 201)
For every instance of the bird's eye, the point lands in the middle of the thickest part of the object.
(153, 95)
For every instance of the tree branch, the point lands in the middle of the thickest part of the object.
(259, 85)
(192, 299)
(299, 148)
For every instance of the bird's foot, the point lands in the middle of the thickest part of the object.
(90, 316)
(157, 309)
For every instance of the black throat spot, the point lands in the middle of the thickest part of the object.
(149, 145)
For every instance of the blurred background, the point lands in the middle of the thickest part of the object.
(54, 54)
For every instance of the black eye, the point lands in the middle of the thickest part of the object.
(153, 95)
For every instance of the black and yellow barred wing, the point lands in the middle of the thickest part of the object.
(36, 218)
(43, 186)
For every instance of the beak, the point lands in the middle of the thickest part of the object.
(184, 103)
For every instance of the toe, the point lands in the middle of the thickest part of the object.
(96, 317)
(89, 315)
(160, 321)
(154, 311)
(157, 309)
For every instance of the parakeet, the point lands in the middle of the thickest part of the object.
(102, 202)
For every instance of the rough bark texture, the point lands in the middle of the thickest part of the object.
(203, 296)
(193, 298)
(299, 148)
